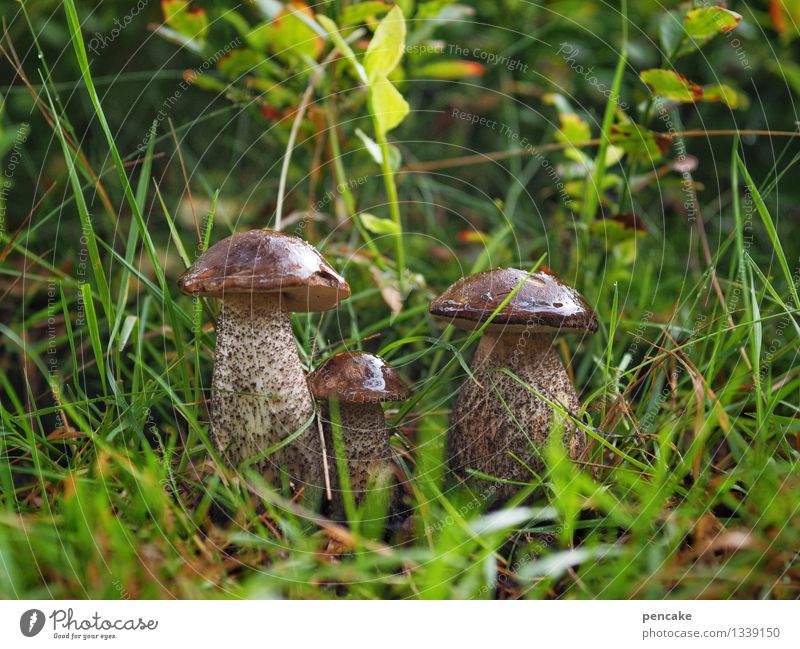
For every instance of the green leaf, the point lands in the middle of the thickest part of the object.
(357, 14)
(386, 47)
(237, 21)
(387, 104)
(704, 23)
(189, 22)
(377, 225)
(672, 85)
(639, 142)
(671, 32)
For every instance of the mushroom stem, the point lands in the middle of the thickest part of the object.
(366, 442)
(486, 433)
(259, 394)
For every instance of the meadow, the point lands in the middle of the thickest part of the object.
(646, 154)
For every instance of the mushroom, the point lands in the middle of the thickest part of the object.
(259, 394)
(361, 382)
(497, 424)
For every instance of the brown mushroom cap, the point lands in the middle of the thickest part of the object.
(543, 303)
(357, 377)
(265, 261)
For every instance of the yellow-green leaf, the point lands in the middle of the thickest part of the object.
(614, 155)
(672, 85)
(574, 131)
(725, 94)
(704, 23)
(387, 104)
(378, 225)
(386, 47)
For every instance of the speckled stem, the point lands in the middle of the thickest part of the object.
(259, 394)
(366, 441)
(484, 434)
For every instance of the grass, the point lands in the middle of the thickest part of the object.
(111, 488)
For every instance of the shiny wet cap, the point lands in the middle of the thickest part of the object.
(265, 261)
(543, 303)
(357, 377)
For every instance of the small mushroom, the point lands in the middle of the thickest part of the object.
(497, 435)
(259, 394)
(361, 382)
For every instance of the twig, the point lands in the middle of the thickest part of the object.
(325, 468)
(495, 156)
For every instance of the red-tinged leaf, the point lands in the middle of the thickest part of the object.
(288, 36)
(191, 22)
(449, 70)
(473, 236)
(630, 221)
(785, 16)
(671, 85)
(618, 228)
(271, 113)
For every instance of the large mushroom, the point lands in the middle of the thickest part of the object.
(497, 424)
(361, 382)
(259, 394)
